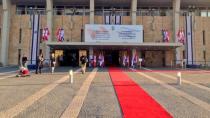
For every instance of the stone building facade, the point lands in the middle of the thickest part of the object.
(20, 31)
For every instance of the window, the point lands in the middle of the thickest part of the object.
(20, 9)
(59, 10)
(24, 9)
(19, 56)
(20, 35)
(40, 35)
(203, 13)
(183, 54)
(112, 20)
(204, 55)
(208, 13)
(204, 37)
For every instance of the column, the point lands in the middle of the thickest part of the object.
(5, 32)
(92, 9)
(133, 11)
(49, 10)
(176, 15)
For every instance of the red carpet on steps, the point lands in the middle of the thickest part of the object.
(134, 101)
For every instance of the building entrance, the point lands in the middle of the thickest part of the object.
(70, 58)
(112, 58)
(109, 58)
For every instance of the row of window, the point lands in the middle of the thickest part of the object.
(103, 11)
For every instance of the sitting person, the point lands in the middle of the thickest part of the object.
(23, 72)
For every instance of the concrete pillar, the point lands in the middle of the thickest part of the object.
(49, 10)
(5, 32)
(176, 15)
(92, 11)
(133, 11)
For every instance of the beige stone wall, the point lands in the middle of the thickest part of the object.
(152, 33)
(169, 58)
(72, 29)
(199, 24)
(13, 37)
(207, 46)
(154, 59)
(17, 22)
(198, 28)
(154, 25)
(126, 20)
(99, 20)
(23, 22)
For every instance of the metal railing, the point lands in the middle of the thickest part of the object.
(191, 64)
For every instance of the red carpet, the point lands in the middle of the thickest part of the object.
(134, 101)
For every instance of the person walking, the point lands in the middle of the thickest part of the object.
(83, 60)
(39, 64)
(53, 62)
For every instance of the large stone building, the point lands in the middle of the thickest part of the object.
(17, 22)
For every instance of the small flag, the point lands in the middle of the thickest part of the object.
(60, 34)
(45, 34)
(166, 36)
(181, 36)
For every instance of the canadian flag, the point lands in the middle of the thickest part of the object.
(181, 36)
(45, 34)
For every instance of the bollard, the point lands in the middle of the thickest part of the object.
(71, 76)
(179, 78)
(140, 61)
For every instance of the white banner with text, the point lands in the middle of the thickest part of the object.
(114, 33)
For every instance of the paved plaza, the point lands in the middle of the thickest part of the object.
(92, 95)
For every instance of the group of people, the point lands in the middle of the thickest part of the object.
(24, 71)
(40, 63)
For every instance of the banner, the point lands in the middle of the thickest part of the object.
(114, 33)
(189, 41)
(35, 38)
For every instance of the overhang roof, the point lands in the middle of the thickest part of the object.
(86, 45)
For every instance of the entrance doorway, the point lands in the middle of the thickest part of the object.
(112, 58)
(71, 58)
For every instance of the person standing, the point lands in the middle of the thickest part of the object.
(61, 60)
(52, 62)
(24, 61)
(39, 64)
